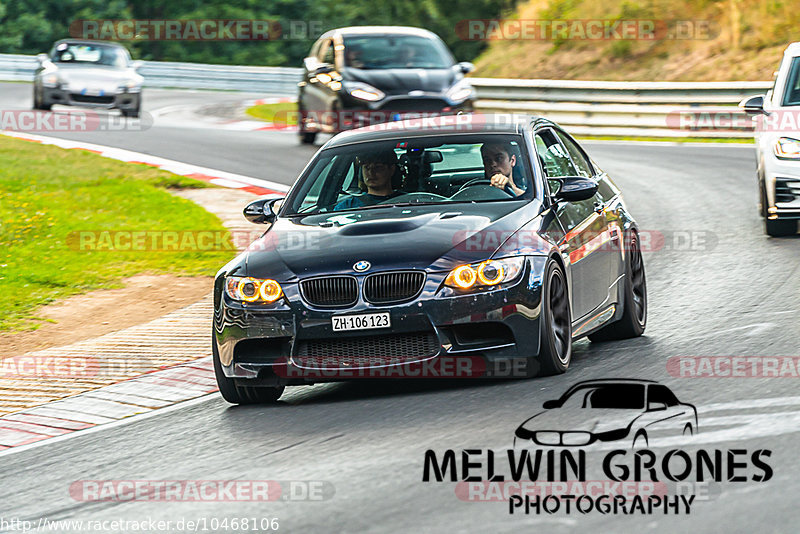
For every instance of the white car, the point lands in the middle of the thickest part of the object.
(778, 146)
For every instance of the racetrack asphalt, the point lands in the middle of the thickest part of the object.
(732, 291)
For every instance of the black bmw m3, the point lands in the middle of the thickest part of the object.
(426, 248)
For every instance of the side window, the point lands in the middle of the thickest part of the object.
(582, 165)
(659, 393)
(552, 155)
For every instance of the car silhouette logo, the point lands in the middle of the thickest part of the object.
(361, 266)
(609, 410)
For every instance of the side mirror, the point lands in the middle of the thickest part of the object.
(549, 405)
(656, 406)
(138, 64)
(753, 104)
(41, 58)
(466, 67)
(261, 210)
(310, 63)
(574, 188)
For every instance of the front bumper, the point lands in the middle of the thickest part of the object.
(65, 97)
(488, 333)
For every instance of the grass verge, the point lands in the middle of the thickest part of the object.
(49, 196)
(284, 113)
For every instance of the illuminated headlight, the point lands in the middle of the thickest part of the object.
(51, 80)
(485, 274)
(548, 438)
(247, 289)
(460, 91)
(787, 148)
(363, 91)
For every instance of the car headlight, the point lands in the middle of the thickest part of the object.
(364, 91)
(247, 289)
(51, 80)
(488, 273)
(787, 148)
(130, 86)
(460, 91)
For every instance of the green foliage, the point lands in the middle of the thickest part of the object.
(31, 26)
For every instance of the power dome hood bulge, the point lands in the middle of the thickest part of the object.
(431, 239)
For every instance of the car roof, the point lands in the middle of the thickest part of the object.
(88, 41)
(444, 125)
(607, 381)
(379, 30)
(793, 49)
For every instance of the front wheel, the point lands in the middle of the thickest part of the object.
(241, 394)
(555, 343)
(37, 103)
(634, 311)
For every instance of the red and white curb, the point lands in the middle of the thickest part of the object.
(213, 176)
(109, 404)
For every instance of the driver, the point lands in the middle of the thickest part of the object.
(499, 162)
(378, 170)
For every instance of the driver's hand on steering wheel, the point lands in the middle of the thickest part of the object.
(501, 181)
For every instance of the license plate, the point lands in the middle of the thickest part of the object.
(91, 91)
(361, 322)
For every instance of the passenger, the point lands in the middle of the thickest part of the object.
(379, 176)
(499, 165)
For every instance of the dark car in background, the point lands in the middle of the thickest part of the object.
(368, 74)
(89, 74)
(448, 264)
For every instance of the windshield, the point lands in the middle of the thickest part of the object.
(435, 170)
(395, 52)
(92, 54)
(791, 96)
(607, 396)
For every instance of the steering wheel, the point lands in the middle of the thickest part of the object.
(484, 181)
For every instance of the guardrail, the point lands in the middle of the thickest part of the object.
(585, 107)
(280, 81)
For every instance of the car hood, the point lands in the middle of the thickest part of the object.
(580, 419)
(434, 238)
(95, 75)
(401, 81)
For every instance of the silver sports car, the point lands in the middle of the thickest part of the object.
(88, 73)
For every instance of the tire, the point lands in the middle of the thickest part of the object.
(241, 394)
(37, 104)
(306, 137)
(555, 331)
(132, 112)
(634, 312)
(780, 227)
(637, 440)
